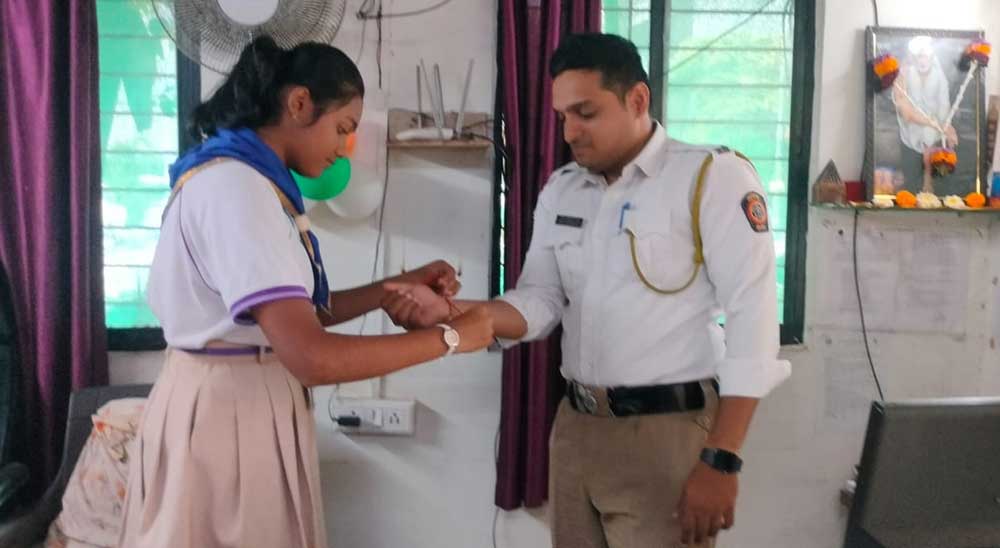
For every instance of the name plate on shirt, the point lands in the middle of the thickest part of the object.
(566, 220)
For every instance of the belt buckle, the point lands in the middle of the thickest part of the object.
(585, 397)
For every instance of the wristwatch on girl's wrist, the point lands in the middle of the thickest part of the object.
(450, 337)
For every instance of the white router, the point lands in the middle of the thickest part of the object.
(438, 132)
(425, 134)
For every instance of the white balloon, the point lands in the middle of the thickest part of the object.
(361, 198)
(309, 204)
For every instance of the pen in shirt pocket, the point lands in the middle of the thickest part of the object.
(627, 206)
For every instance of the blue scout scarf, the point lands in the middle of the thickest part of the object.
(244, 145)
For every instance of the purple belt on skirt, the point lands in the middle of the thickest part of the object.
(229, 351)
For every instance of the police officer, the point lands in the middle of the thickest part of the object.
(639, 248)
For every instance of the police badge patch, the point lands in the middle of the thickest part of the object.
(755, 209)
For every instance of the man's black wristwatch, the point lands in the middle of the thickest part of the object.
(724, 461)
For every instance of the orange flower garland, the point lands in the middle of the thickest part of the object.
(978, 51)
(975, 200)
(886, 69)
(943, 161)
(906, 199)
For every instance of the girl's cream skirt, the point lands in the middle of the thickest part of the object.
(226, 457)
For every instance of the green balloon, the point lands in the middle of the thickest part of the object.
(331, 183)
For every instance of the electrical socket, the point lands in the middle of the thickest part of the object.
(378, 417)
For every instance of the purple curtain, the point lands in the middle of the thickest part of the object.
(532, 387)
(50, 211)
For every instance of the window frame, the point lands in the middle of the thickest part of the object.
(138, 339)
(800, 138)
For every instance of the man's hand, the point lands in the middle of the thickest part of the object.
(414, 306)
(438, 275)
(707, 504)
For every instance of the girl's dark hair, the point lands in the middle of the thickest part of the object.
(251, 95)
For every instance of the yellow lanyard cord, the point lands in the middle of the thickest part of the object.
(301, 221)
(699, 254)
(286, 204)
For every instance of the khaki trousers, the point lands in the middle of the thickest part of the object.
(614, 482)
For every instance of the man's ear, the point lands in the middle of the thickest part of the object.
(637, 99)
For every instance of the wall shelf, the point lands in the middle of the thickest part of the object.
(452, 144)
(474, 122)
(869, 207)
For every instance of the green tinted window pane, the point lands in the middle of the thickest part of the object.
(134, 208)
(700, 30)
(137, 55)
(640, 28)
(139, 132)
(129, 246)
(726, 5)
(779, 254)
(644, 55)
(124, 316)
(723, 103)
(641, 4)
(781, 293)
(779, 243)
(777, 211)
(608, 5)
(139, 136)
(139, 94)
(616, 22)
(773, 175)
(753, 140)
(136, 170)
(730, 68)
(131, 18)
(125, 284)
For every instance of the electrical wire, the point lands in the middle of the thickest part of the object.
(381, 230)
(375, 262)
(366, 13)
(496, 145)
(361, 50)
(861, 309)
(875, 9)
(496, 462)
(378, 44)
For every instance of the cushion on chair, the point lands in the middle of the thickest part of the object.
(93, 502)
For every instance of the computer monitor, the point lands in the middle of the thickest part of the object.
(929, 476)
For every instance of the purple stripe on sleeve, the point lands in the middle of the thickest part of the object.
(240, 311)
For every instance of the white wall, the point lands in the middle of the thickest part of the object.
(808, 434)
(435, 490)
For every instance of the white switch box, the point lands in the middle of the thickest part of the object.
(378, 417)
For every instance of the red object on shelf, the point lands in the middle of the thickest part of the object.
(855, 191)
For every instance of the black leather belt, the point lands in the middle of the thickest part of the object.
(639, 400)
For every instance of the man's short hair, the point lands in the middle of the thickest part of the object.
(615, 58)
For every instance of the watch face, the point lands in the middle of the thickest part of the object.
(721, 460)
(451, 337)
